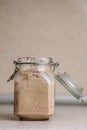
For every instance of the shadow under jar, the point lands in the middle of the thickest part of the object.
(34, 87)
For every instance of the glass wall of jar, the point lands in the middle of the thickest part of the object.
(34, 88)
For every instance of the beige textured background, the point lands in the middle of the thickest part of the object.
(51, 28)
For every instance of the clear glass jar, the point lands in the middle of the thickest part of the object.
(34, 87)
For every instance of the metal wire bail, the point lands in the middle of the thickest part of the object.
(14, 73)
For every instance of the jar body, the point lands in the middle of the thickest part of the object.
(34, 92)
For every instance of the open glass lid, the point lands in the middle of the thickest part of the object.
(71, 85)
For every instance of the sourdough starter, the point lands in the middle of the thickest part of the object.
(34, 95)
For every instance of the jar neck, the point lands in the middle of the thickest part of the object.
(28, 67)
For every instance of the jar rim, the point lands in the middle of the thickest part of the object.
(34, 60)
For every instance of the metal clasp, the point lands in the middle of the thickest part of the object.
(55, 65)
(14, 73)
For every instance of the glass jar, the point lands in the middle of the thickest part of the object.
(34, 87)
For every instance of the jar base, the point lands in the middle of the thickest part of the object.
(33, 117)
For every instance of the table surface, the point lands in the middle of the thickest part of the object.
(67, 117)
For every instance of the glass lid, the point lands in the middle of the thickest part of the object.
(71, 85)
